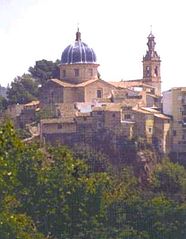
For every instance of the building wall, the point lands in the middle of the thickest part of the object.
(174, 104)
(51, 93)
(72, 94)
(167, 102)
(86, 72)
(58, 128)
(144, 125)
(84, 128)
(113, 121)
(149, 127)
(162, 134)
(179, 140)
(139, 119)
(91, 91)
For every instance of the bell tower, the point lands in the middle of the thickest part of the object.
(151, 66)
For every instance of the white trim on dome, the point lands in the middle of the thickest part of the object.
(68, 53)
(84, 52)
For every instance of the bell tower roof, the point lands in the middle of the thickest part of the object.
(151, 54)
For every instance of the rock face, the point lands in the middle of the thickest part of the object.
(145, 162)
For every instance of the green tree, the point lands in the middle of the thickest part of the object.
(96, 160)
(22, 90)
(44, 70)
(60, 194)
(53, 193)
(13, 223)
(170, 179)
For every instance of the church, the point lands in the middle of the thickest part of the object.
(80, 82)
(87, 109)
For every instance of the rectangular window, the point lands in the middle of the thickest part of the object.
(99, 93)
(59, 126)
(76, 72)
(64, 73)
(174, 132)
(99, 112)
(127, 117)
(90, 72)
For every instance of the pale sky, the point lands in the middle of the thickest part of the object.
(117, 30)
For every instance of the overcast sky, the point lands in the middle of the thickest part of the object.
(117, 30)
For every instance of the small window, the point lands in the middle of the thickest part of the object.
(84, 118)
(90, 72)
(174, 132)
(156, 71)
(76, 72)
(99, 112)
(64, 73)
(147, 71)
(150, 130)
(59, 126)
(99, 93)
(113, 115)
(127, 117)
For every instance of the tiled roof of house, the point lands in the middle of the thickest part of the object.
(82, 84)
(162, 116)
(130, 83)
(148, 110)
(68, 84)
(140, 110)
(124, 92)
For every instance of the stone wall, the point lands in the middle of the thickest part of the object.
(86, 72)
(91, 90)
(51, 93)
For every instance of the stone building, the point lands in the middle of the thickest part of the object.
(82, 127)
(114, 120)
(174, 105)
(79, 80)
(155, 127)
(87, 107)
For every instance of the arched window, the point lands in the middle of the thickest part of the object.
(156, 71)
(147, 71)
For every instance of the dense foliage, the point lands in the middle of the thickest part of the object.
(53, 193)
(25, 88)
(44, 70)
(22, 90)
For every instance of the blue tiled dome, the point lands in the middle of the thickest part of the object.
(78, 53)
